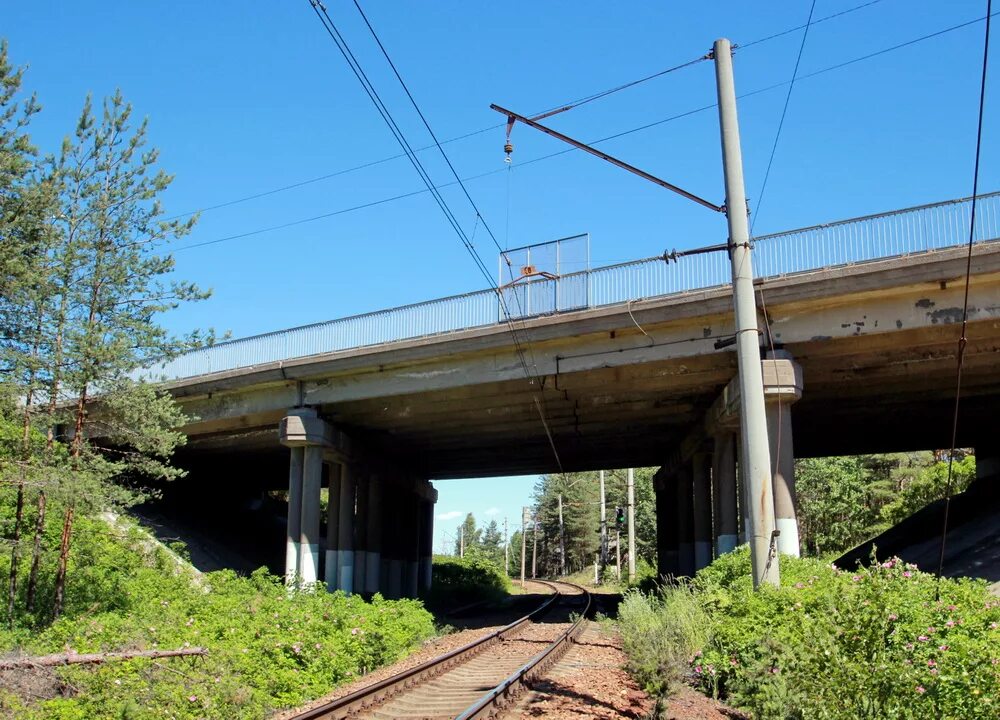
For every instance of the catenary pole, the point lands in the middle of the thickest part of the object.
(506, 549)
(631, 524)
(562, 541)
(534, 550)
(604, 526)
(524, 541)
(756, 452)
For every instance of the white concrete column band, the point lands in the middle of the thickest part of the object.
(724, 490)
(345, 540)
(312, 478)
(702, 511)
(373, 556)
(361, 533)
(295, 463)
(782, 387)
(330, 574)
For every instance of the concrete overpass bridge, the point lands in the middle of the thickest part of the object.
(620, 366)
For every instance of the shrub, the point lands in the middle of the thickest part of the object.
(875, 643)
(460, 581)
(267, 650)
(660, 634)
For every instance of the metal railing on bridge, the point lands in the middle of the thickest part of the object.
(874, 237)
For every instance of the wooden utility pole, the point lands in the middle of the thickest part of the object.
(604, 526)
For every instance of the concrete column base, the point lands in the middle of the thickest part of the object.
(725, 544)
(788, 536)
(373, 568)
(426, 573)
(360, 570)
(395, 581)
(685, 552)
(411, 584)
(330, 570)
(345, 570)
(702, 554)
(383, 576)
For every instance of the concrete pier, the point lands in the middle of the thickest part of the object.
(345, 541)
(702, 515)
(666, 530)
(295, 463)
(782, 387)
(373, 556)
(724, 492)
(361, 531)
(312, 478)
(330, 574)
(684, 511)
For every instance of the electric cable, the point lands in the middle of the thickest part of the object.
(781, 121)
(480, 218)
(573, 103)
(963, 340)
(624, 133)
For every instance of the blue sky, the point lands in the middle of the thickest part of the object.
(247, 97)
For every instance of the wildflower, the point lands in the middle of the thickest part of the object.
(942, 648)
(698, 654)
(733, 662)
(950, 623)
(192, 698)
(354, 631)
(118, 682)
(893, 616)
(908, 646)
(931, 663)
(855, 578)
(920, 689)
(907, 573)
(697, 669)
(953, 607)
(934, 671)
(931, 630)
(799, 585)
(993, 626)
(711, 670)
(318, 646)
(923, 638)
(190, 622)
(774, 671)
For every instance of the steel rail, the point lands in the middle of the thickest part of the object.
(382, 690)
(500, 697)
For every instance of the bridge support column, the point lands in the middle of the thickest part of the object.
(361, 532)
(702, 515)
(312, 478)
(394, 533)
(294, 525)
(741, 492)
(987, 462)
(306, 435)
(345, 540)
(685, 528)
(373, 557)
(330, 574)
(411, 566)
(724, 492)
(782, 387)
(427, 541)
(666, 531)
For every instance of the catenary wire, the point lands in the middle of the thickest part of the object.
(572, 103)
(781, 121)
(963, 340)
(480, 219)
(608, 138)
(331, 29)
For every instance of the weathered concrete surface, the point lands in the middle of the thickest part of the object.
(876, 343)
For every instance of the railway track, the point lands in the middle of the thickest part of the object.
(478, 680)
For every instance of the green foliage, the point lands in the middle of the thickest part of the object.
(844, 501)
(267, 649)
(582, 516)
(831, 644)
(660, 635)
(459, 581)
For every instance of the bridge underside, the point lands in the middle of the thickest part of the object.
(877, 345)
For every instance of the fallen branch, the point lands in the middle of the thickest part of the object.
(95, 658)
